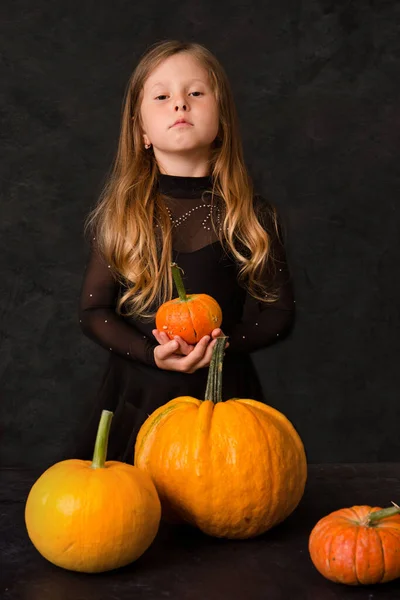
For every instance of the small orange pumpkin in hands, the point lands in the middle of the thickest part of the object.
(191, 316)
(358, 545)
(93, 516)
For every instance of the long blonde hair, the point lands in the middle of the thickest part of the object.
(130, 205)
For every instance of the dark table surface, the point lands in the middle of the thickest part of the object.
(184, 564)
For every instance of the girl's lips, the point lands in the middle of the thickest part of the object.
(182, 125)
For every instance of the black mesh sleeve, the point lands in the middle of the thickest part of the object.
(98, 317)
(264, 323)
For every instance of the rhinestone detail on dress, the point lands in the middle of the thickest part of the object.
(180, 220)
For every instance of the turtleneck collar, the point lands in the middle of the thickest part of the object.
(183, 187)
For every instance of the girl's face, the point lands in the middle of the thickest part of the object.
(179, 89)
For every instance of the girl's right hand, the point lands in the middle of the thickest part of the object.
(169, 356)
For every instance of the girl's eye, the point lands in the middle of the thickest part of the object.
(163, 96)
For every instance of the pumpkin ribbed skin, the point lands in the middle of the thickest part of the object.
(191, 319)
(346, 550)
(93, 516)
(234, 469)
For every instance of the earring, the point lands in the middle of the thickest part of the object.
(147, 146)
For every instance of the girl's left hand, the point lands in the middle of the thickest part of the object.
(184, 347)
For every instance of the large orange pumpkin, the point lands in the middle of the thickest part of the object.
(93, 516)
(234, 469)
(191, 316)
(358, 545)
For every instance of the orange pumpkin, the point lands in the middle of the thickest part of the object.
(234, 469)
(93, 516)
(191, 316)
(358, 545)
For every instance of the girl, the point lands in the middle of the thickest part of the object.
(179, 191)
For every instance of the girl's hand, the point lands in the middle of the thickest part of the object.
(170, 354)
(162, 338)
(184, 347)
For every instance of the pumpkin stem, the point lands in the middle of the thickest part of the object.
(100, 448)
(214, 379)
(376, 516)
(178, 281)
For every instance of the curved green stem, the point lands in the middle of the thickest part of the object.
(375, 517)
(178, 281)
(100, 448)
(214, 380)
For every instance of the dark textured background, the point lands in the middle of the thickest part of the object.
(318, 93)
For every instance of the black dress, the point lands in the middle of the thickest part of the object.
(132, 385)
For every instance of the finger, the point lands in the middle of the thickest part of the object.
(156, 334)
(164, 337)
(197, 353)
(206, 359)
(161, 336)
(165, 350)
(216, 332)
(192, 361)
(219, 333)
(184, 346)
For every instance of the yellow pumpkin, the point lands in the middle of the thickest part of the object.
(234, 469)
(93, 516)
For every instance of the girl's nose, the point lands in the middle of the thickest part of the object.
(180, 105)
